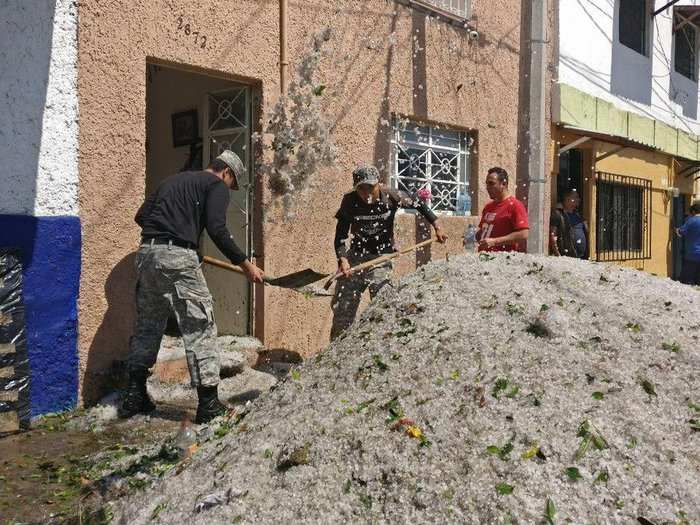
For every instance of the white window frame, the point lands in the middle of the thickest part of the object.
(455, 10)
(428, 143)
(459, 8)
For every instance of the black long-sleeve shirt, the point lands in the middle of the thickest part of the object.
(186, 203)
(372, 225)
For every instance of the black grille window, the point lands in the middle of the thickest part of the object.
(633, 25)
(684, 58)
(623, 215)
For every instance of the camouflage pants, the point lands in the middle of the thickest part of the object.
(349, 290)
(170, 280)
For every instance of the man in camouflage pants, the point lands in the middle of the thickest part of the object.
(368, 213)
(349, 290)
(170, 279)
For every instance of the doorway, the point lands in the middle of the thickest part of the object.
(677, 245)
(570, 175)
(190, 119)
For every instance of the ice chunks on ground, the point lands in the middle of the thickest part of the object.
(493, 389)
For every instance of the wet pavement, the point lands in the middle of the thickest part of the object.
(52, 473)
(70, 465)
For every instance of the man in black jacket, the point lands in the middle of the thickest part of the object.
(368, 213)
(170, 279)
(568, 231)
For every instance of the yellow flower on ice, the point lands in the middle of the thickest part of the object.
(531, 452)
(414, 432)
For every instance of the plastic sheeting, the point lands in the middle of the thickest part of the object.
(14, 361)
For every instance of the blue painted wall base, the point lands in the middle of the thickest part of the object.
(50, 249)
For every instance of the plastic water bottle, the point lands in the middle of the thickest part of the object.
(464, 203)
(186, 439)
(470, 238)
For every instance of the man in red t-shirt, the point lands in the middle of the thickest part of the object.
(504, 225)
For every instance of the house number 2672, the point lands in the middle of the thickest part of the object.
(185, 27)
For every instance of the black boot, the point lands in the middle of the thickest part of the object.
(135, 399)
(209, 405)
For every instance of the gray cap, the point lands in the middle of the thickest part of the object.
(365, 175)
(234, 162)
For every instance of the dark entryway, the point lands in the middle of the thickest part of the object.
(190, 119)
(677, 245)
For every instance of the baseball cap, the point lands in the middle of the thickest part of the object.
(365, 175)
(234, 162)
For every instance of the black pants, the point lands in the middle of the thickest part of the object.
(691, 272)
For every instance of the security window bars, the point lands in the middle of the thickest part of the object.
(633, 24)
(459, 8)
(432, 159)
(684, 54)
(228, 109)
(623, 215)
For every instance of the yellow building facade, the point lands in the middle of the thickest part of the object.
(636, 177)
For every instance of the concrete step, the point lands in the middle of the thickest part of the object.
(247, 345)
(277, 362)
(235, 390)
(237, 354)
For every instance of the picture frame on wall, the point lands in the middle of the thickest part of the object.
(185, 128)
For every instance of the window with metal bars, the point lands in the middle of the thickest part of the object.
(684, 51)
(430, 160)
(623, 218)
(456, 7)
(458, 10)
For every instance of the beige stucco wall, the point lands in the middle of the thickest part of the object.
(441, 77)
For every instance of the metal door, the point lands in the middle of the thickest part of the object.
(227, 118)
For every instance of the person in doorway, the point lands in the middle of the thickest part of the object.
(690, 274)
(568, 229)
(556, 224)
(504, 224)
(368, 213)
(170, 279)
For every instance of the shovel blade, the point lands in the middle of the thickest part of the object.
(297, 279)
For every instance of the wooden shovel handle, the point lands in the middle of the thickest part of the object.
(228, 266)
(222, 264)
(378, 261)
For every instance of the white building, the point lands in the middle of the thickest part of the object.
(625, 123)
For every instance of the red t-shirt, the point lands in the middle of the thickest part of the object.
(501, 218)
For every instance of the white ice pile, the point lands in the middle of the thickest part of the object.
(506, 389)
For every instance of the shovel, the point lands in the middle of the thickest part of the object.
(377, 261)
(292, 281)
